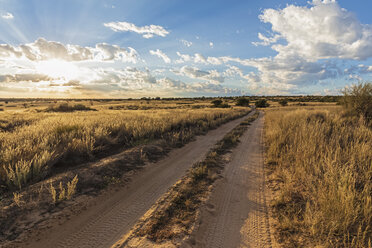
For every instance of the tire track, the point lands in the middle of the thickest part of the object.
(236, 213)
(106, 222)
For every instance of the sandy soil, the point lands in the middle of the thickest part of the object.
(112, 216)
(236, 214)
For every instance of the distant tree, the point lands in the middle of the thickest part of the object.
(218, 103)
(283, 102)
(262, 103)
(242, 101)
(358, 99)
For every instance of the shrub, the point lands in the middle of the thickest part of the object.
(358, 99)
(219, 104)
(262, 103)
(65, 107)
(216, 103)
(283, 102)
(242, 102)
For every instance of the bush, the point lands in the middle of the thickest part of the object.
(262, 103)
(65, 107)
(283, 102)
(358, 99)
(242, 102)
(218, 103)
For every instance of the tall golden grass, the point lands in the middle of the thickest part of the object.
(322, 162)
(29, 150)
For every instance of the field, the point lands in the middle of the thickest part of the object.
(56, 156)
(35, 140)
(45, 144)
(320, 165)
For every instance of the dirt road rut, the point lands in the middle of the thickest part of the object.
(106, 222)
(236, 213)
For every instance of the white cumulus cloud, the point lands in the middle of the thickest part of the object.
(146, 31)
(7, 16)
(316, 37)
(43, 49)
(161, 55)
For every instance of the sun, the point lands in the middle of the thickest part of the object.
(58, 69)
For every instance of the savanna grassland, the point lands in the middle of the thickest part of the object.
(319, 162)
(45, 144)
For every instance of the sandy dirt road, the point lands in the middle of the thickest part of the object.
(103, 224)
(236, 215)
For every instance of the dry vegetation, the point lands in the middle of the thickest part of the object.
(174, 215)
(320, 162)
(35, 142)
(44, 149)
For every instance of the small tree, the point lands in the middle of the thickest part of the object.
(242, 101)
(216, 103)
(262, 103)
(358, 99)
(283, 102)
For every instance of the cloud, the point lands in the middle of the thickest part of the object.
(161, 55)
(198, 58)
(324, 30)
(134, 81)
(199, 88)
(183, 58)
(186, 43)
(7, 16)
(42, 49)
(316, 38)
(196, 73)
(24, 78)
(201, 59)
(106, 52)
(233, 71)
(146, 31)
(265, 41)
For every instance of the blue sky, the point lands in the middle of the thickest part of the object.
(112, 48)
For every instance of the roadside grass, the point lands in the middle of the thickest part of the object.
(30, 150)
(176, 215)
(320, 168)
(40, 157)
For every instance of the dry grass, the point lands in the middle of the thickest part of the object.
(321, 161)
(37, 141)
(64, 193)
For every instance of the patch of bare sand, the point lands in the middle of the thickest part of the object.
(236, 214)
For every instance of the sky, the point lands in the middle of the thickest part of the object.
(178, 48)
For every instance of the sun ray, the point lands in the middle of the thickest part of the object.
(58, 69)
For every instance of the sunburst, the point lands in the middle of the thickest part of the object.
(58, 69)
